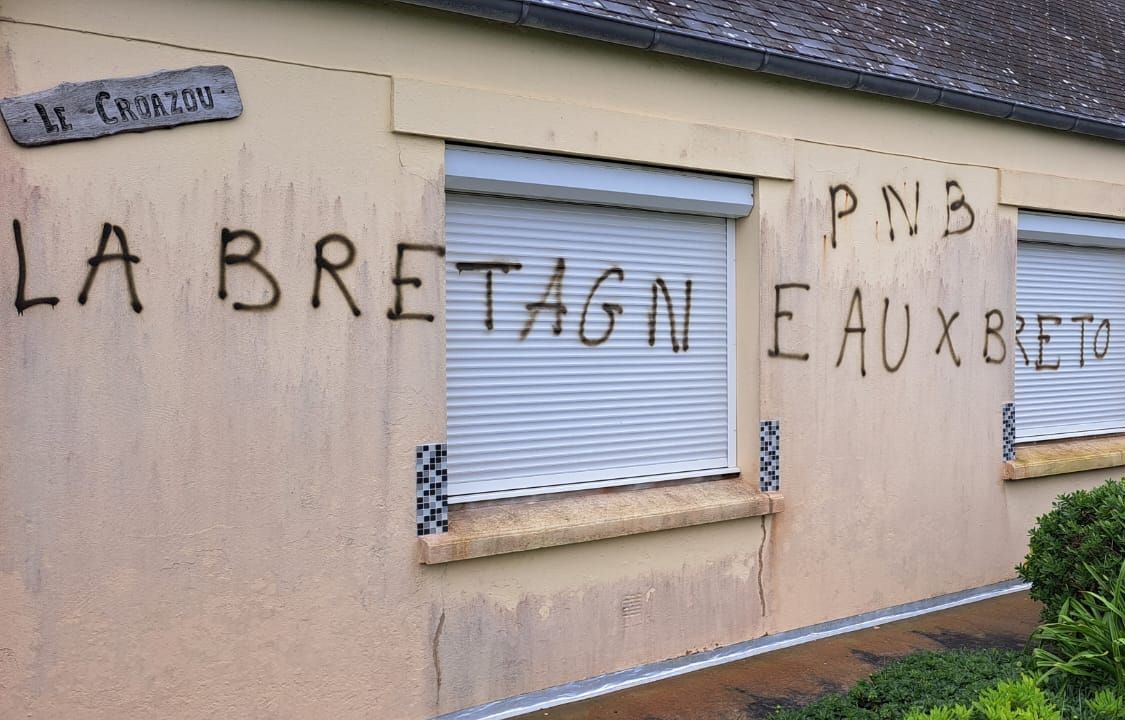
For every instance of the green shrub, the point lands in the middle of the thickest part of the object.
(1106, 705)
(1086, 645)
(1024, 701)
(1015, 700)
(1008, 700)
(917, 682)
(1081, 537)
(957, 712)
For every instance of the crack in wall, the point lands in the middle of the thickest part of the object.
(434, 650)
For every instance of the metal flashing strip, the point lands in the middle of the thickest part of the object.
(1071, 230)
(644, 674)
(489, 171)
(570, 21)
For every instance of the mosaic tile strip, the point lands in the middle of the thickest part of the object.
(1009, 431)
(431, 476)
(769, 456)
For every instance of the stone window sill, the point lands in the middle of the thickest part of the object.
(494, 528)
(1056, 457)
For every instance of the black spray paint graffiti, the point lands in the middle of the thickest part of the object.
(251, 246)
(333, 269)
(1045, 322)
(959, 214)
(953, 211)
(990, 332)
(612, 310)
(1020, 322)
(905, 343)
(682, 345)
(851, 204)
(397, 313)
(21, 282)
(554, 287)
(946, 338)
(488, 268)
(911, 227)
(552, 301)
(995, 346)
(100, 256)
(855, 308)
(778, 315)
(227, 259)
(855, 325)
(1045, 338)
(902, 220)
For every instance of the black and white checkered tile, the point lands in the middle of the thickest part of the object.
(1009, 431)
(432, 508)
(769, 456)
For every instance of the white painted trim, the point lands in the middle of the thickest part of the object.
(732, 380)
(1075, 432)
(592, 484)
(542, 177)
(1071, 230)
(624, 679)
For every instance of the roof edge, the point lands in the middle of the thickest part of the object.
(527, 13)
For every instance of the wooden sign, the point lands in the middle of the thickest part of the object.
(87, 110)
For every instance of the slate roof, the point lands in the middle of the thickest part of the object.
(1063, 55)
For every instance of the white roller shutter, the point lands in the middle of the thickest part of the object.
(1086, 394)
(548, 411)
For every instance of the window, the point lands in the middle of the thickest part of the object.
(1070, 307)
(589, 323)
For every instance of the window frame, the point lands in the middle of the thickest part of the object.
(492, 172)
(1079, 232)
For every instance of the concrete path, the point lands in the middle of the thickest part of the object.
(751, 689)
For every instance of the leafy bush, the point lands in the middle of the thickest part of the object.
(1015, 700)
(1082, 537)
(1024, 700)
(957, 712)
(917, 682)
(1106, 705)
(1086, 646)
(1008, 700)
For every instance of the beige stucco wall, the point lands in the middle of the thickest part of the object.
(206, 512)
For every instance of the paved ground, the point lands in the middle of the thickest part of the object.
(751, 689)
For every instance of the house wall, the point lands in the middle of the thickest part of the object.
(207, 512)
